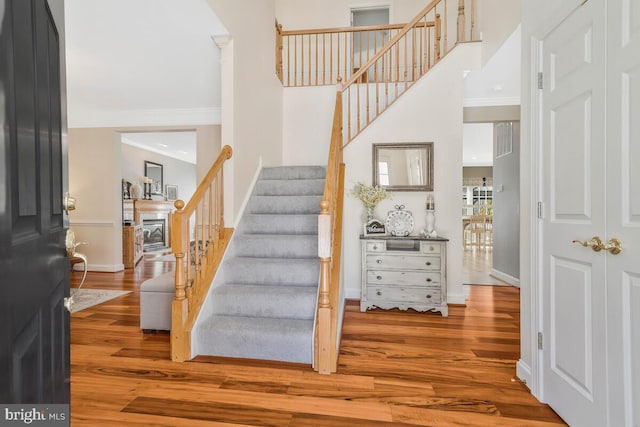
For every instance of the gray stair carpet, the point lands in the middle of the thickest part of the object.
(263, 306)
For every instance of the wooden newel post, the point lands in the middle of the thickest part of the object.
(324, 306)
(461, 22)
(438, 30)
(180, 350)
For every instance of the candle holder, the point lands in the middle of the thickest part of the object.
(430, 218)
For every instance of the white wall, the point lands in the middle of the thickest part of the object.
(253, 92)
(538, 17)
(307, 121)
(497, 19)
(95, 180)
(208, 146)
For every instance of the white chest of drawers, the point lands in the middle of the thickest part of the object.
(404, 272)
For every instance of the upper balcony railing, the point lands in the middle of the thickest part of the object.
(316, 57)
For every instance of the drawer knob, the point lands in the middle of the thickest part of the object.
(375, 247)
(431, 248)
(379, 277)
(379, 261)
(428, 262)
(379, 293)
(428, 296)
(429, 279)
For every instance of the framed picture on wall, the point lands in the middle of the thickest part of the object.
(171, 192)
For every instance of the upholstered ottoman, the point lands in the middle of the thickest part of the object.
(156, 296)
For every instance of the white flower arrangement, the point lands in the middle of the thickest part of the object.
(370, 195)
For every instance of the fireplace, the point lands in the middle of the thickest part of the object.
(154, 231)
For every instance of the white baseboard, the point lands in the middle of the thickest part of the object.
(505, 277)
(456, 299)
(523, 371)
(103, 268)
(91, 223)
(352, 294)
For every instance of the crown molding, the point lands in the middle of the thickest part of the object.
(221, 40)
(491, 102)
(130, 118)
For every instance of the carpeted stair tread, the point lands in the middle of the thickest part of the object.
(294, 172)
(291, 302)
(283, 224)
(284, 271)
(257, 338)
(285, 204)
(275, 246)
(288, 187)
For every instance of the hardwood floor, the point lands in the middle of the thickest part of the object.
(395, 369)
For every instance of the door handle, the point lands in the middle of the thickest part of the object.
(614, 246)
(595, 243)
(68, 203)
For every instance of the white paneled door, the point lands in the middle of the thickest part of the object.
(590, 109)
(623, 211)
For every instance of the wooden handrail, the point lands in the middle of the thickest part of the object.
(348, 29)
(198, 252)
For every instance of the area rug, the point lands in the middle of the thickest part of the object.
(85, 298)
(169, 257)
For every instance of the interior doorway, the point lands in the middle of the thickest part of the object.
(490, 199)
(364, 44)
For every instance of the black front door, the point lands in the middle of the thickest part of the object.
(34, 269)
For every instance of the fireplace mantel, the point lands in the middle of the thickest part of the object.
(151, 207)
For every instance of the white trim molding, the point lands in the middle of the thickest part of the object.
(127, 118)
(102, 268)
(221, 40)
(459, 299)
(523, 371)
(91, 223)
(245, 202)
(352, 293)
(491, 102)
(505, 277)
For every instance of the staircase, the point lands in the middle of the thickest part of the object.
(263, 300)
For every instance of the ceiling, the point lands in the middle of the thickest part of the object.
(142, 63)
(477, 147)
(179, 145)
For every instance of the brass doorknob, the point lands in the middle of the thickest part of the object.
(595, 243)
(69, 203)
(613, 246)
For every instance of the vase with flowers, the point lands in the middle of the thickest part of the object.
(370, 196)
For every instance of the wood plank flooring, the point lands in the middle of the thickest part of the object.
(395, 369)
